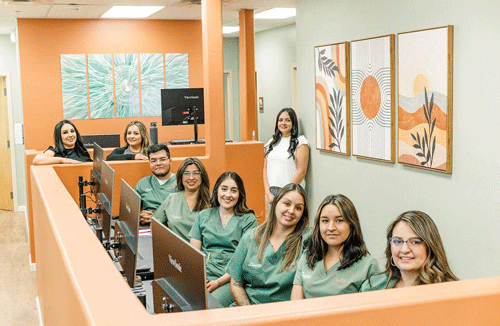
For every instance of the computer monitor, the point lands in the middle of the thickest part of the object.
(179, 272)
(179, 105)
(105, 198)
(106, 141)
(127, 231)
(95, 173)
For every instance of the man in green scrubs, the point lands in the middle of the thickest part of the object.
(219, 243)
(155, 188)
(317, 282)
(261, 279)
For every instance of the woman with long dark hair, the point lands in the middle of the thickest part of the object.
(263, 266)
(286, 155)
(136, 137)
(415, 254)
(68, 146)
(217, 231)
(180, 209)
(336, 260)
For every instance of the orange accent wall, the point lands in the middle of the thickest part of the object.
(213, 80)
(248, 105)
(42, 41)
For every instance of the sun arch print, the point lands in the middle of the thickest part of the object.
(425, 110)
(373, 98)
(332, 98)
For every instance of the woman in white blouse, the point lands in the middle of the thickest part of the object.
(286, 155)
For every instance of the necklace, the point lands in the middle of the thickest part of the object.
(225, 219)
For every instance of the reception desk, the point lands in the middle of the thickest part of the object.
(77, 284)
(244, 158)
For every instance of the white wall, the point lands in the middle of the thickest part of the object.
(231, 50)
(465, 205)
(9, 65)
(275, 54)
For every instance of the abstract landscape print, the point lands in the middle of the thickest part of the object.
(373, 97)
(332, 98)
(425, 98)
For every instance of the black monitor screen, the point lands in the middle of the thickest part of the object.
(128, 227)
(178, 104)
(182, 268)
(106, 187)
(106, 141)
(98, 159)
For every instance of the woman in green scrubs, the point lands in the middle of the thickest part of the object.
(415, 254)
(180, 209)
(336, 260)
(263, 265)
(218, 230)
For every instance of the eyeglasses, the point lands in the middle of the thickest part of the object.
(411, 243)
(160, 160)
(193, 173)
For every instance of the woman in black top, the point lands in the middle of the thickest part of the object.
(137, 139)
(68, 146)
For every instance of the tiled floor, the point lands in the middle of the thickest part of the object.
(17, 283)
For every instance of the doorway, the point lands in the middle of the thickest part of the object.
(6, 190)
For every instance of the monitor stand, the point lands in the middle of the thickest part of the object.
(186, 141)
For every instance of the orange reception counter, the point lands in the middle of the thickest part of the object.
(78, 284)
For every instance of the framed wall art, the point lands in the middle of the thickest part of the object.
(373, 98)
(332, 98)
(152, 81)
(74, 86)
(126, 68)
(425, 79)
(101, 90)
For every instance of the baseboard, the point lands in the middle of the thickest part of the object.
(39, 311)
(32, 265)
(22, 209)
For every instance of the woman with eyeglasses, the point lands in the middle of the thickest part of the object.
(180, 209)
(415, 254)
(263, 266)
(336, 260)
(217, 231)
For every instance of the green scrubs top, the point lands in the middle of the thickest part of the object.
(175, 214)
(377, 282)
(219, 243)
(152, 193)
(317, 282)
(261, 279)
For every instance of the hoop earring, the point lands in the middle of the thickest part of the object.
(392, 262)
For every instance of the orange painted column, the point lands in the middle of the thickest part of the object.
(213, 83)
(248, 105)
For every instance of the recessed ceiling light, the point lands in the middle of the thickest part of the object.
(276, 13)
(131, 11)
(229, 29)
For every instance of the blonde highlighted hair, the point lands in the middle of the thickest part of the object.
(435, 268)
(293, 246)
(145, 142)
